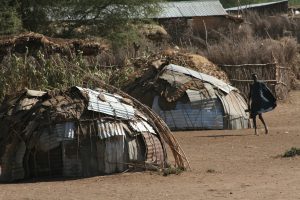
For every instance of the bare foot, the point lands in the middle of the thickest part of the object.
(267, 130)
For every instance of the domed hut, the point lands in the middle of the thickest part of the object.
(189, 100)
(80, 132)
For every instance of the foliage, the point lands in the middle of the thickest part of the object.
(292, 152)
(101, 16)
(10, 22)
(42, 73)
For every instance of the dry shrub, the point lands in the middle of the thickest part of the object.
(269, 26)
(253, 50)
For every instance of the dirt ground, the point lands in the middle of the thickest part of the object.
(225, 165)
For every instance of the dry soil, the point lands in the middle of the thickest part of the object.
(225, 165)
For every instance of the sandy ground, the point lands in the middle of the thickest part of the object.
(225, 165)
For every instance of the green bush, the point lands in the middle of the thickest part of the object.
(10, 22)
(56, 71)
(292, 152)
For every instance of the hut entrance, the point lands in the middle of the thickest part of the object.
(44, 164)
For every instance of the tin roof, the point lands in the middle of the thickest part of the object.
(190, 9)
(206, 78)
(254, 5)
(111, 105)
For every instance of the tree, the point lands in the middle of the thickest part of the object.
(10, 21)
(102, 16)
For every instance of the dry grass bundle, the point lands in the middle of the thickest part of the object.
(196, 62)
(33, 42)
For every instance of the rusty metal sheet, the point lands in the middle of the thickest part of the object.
(111, 106)
(206, 78)
(141, 126)
(154, 150)
(107, 129)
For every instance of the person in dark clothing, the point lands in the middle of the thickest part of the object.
(261, 100)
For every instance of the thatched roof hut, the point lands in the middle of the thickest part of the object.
(189, 100)
(79, 132)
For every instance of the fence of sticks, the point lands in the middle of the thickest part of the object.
(276, 77)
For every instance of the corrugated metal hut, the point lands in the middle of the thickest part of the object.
(269, 8)
(189, 100)
(78, 133)
(196, 16)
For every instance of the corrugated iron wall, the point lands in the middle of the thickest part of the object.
(60, 151)
(234, 106)
(12, 161)
(187, 117)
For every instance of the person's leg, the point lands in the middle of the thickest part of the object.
(264, 123)
(254, 124)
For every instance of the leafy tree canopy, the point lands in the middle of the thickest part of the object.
(102, 16)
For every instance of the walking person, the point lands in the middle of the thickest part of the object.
(261, 100)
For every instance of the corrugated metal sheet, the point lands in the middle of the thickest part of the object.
(197, 97)
(134, 150)
(17, 169)
(12, 161)
(72, 166)
(254, 5)
(207, 78)
(109, 129)
(154, 150)
(64, 131)
(141, 126)
(234, 107)
(112, 106)
(207, 116)
(191, 9)
(101, 155)
(89, 158)
(114, 154)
